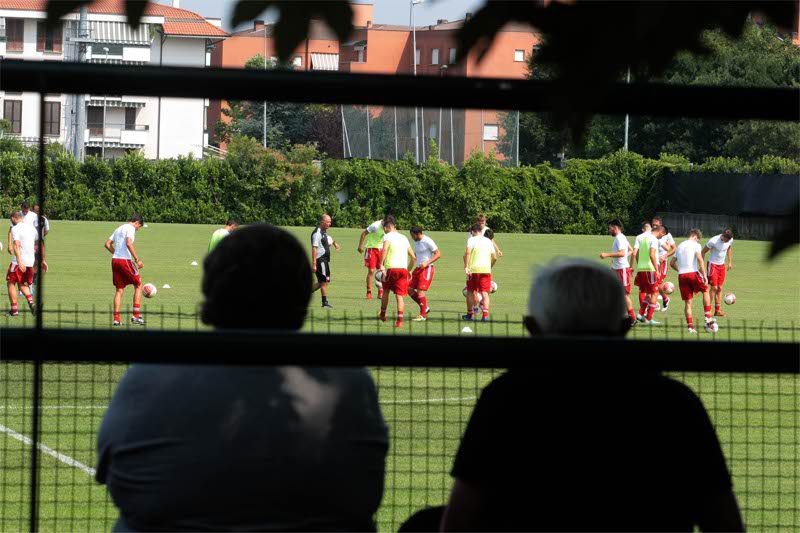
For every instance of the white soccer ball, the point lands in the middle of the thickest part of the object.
(379, 278)
(465, 291)
(730, 298)
(711, 327)
(494, 287)
(149, 290)
(669, 287)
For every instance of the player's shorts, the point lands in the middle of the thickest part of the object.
(323, 271)
(647, 281)
(372, 258)
(396, 280)
(15, 275)
(716, 274)
(480, 282)
(125, 273)
(663, 268)
(690, 284)
(624, 275)
(421, 278)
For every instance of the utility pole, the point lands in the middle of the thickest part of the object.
(265, 68)
(414, 61)
(627, 116)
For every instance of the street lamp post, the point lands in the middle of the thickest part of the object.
(265, 68)
(627, 116)
(414, 61)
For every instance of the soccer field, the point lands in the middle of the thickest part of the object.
(78, 288)
(426, 409)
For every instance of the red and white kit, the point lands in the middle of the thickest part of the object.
(123, 269)
(620, 265)
(27, 236)
(396, 280)
(480, 282)
(718, 250)
(690, 281)
(663, 266)
(422, 277)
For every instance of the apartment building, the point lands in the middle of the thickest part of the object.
(109, 125)
(389, 49)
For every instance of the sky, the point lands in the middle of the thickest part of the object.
(386, 11)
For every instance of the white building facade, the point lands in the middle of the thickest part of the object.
(109, 125)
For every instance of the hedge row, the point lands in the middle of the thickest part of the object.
(290, 189)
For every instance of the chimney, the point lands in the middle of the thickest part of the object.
(369, 24)
(176, 4)
(467, 17)
(441, 21)
(258, 24)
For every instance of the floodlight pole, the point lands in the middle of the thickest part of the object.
(369, 142)
(517, 138)
(627, 116)
(265, 68)
(414, 62)
(396, 151)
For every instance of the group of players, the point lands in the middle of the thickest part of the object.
(651, 255)
(24, 247)
(409, 271)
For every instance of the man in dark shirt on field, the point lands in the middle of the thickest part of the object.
(246, 448)
(582, 451)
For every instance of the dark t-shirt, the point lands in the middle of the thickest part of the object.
(591, 453)
(219, 448)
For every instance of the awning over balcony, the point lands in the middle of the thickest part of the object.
(112, 61)
(113, 144)
(98, 102)
(324, 61)
(120, 33)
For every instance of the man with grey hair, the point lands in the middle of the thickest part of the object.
(611, 450)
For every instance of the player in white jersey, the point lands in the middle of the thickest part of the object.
(397, 259)
(721, 247)
(666, 248)
(20, 271)
(427, 254)
(481, 219)
(688, 261)
(125, 265)
(620, 251)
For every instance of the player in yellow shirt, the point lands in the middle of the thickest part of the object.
(479, 259)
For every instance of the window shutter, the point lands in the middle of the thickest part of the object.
(40, 36)
(57, 37)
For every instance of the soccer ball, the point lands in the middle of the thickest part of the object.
(379, 278)
(669, 287)
(466, 291)
(494, 287)
(149, 290)
(730, 298)
(711, 327)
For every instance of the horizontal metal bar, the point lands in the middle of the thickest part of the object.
(264, 348)
(401, 90)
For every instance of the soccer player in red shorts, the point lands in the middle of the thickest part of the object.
(666, 248)
(125, 265)
(647, 277)
(427, 253)
(20, 271)
(397, 258)
(620, 251)
(479, 258)
(688, 261)
(373, 236)
(720, 247)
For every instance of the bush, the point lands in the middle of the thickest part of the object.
(291, 188)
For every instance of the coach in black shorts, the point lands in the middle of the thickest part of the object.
(321, 254)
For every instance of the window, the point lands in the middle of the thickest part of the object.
(12, 112)
(416, 57)
(52, 118)
(491, 132)
(435, 56)
(519, 56)
(297, 61)
(361, 56)
(432, 131)
(94, 120)
(98, 49)
(130, 118)
(48, 39)
(452, 56)
(15, 31)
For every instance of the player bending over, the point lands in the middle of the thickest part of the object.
(688, 261)
(427, 253)
(373, 236)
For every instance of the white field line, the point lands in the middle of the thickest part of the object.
(66, 459)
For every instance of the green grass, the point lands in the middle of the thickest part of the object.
(426, 409)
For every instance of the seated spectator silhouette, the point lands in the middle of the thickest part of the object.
(261, 448)
(587, 451)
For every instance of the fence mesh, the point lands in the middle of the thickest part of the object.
(756, 417)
